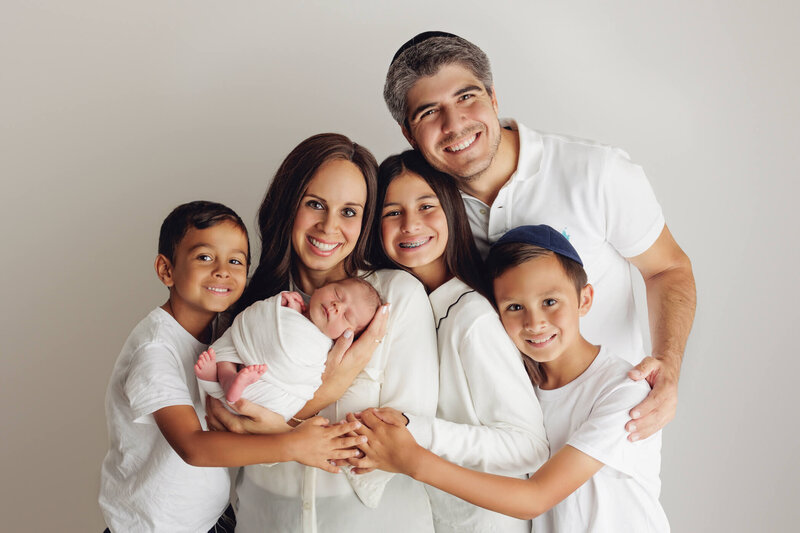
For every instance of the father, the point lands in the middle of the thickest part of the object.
(439, 89)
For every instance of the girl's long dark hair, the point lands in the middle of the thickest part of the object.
(279, 208)
(461, 257)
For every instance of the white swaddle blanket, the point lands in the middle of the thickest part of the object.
(295, 351)
(291, 346)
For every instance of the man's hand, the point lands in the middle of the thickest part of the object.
(658, 409)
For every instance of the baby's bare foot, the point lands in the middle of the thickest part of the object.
(246, 376)
(206, 366)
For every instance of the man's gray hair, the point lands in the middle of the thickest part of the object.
(425, 59)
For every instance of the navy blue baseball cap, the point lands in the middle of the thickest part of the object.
(542, 236)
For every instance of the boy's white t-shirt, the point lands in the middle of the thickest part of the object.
(590, 414)
(144, 484)
(601, 201)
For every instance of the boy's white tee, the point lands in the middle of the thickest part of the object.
(590, 414)
(144, 484)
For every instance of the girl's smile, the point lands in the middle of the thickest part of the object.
(414, 226)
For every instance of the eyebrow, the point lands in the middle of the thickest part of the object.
(200, 245)
(324, 201)
(423, 197)
(206, 245)
(469, 88)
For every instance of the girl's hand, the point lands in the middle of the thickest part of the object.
(321, 445)
(391, 416)
(252, 418)
(347, 359)
(389, 447)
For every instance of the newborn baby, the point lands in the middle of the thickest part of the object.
(291, 339)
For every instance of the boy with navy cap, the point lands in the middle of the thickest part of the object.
(596, 479)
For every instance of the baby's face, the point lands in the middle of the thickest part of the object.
(339, 306)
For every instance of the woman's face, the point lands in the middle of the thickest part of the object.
(413, 225)
(328, 222)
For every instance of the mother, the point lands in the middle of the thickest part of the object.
(314, 225)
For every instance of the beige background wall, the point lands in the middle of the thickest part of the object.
(111, 113)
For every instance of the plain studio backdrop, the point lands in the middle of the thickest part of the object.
(112, 113)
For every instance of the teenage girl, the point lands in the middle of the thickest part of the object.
(487, 416)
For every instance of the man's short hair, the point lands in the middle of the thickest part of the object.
(423, 56)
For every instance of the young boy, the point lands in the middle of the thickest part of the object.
(595, 480)
(147, 481)
(290, 339)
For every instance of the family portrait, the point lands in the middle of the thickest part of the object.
(336, 267)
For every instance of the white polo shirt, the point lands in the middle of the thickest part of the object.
(601, 201)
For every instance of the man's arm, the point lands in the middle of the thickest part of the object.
(671, 301)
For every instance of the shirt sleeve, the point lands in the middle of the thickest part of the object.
(156, 379)
(411, 374)
(603, 435)
(633, 216)
(510, 439)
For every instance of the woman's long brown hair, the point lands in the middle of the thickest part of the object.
(279, 208)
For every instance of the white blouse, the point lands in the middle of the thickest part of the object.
(403, 373)
(488, 417)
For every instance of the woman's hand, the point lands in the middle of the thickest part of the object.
(323, 446)
(389, 446)
(345, 361)
(252, 418)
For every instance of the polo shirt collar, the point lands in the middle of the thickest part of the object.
(531, 145)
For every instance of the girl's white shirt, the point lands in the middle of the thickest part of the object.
(488, 417)
(403, 374)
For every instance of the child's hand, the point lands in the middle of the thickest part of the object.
(323, 446)
(389, 447)
(293, 300)
(391, 416)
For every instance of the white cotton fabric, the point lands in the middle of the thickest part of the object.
(291, 346)
(589, 414)
(488, 417)
(144, 484)
(403, 373)
(597, 198)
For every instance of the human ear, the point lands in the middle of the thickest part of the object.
(164, 270)
(408, 137)
(494, 100)
(585, 299)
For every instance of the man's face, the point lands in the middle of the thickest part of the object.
(452, 121)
